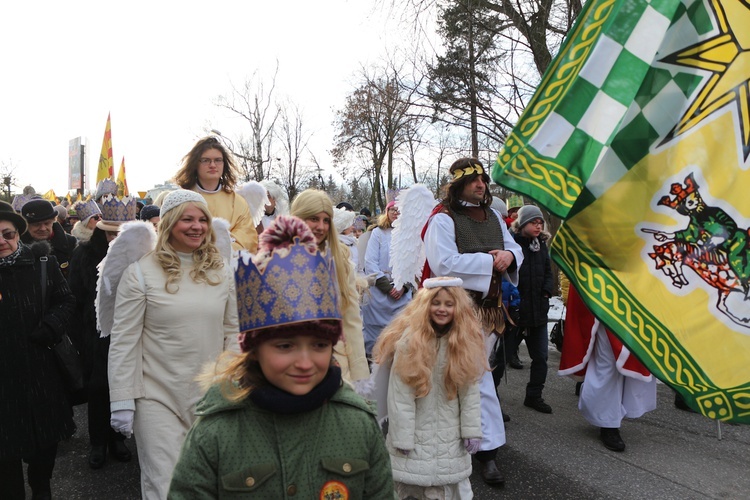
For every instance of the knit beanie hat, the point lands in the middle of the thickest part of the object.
(62, 213)
(177, 198)
(528, 213)
(149, 212)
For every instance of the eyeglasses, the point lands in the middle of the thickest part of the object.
(96, 217)
(9, 235)
(537, 222)
(208, 161)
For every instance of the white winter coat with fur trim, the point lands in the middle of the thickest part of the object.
(432, 428)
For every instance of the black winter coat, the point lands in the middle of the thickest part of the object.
(62, 245)
(82, 278)
(34, 410)
(534, 282)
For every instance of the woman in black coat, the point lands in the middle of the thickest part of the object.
(94, 350)
(535, 287)
(34, 411)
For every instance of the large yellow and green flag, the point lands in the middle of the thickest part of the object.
(639, 137)
(106, 168)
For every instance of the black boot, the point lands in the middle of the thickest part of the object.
(610, 436)
(97, 456)
(491, 474)
(515, 362)
(538, 404)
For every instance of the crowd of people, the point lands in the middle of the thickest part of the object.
(255, 344)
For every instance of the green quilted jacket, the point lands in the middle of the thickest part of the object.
(238, 450)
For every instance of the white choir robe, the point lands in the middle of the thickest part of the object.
(607, 395)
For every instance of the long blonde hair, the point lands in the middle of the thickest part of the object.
(466, 355)
(206, 257)
(313, 201)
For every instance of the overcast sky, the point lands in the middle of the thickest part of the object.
(157, 67)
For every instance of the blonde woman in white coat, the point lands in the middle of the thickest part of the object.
(434, 416)
(176, 309)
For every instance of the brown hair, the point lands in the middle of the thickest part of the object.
(187, 176)
(237, 375)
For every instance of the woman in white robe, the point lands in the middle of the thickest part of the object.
(385, 301)
(176, 309)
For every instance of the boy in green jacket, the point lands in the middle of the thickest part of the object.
(277, 421)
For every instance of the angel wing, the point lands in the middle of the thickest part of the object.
(256, 197)
(407, 248)
(223, 238)
(136, 239)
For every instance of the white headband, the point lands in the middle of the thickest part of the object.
(442, 281)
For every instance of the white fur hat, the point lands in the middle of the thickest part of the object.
(499, 205)
(177, 198)
(342, 219)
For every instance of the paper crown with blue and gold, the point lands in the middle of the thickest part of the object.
(105, 187)
(288, 281)
(85, 209)
(20, 200)
(116, 211)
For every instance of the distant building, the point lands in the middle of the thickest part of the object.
(154, 191)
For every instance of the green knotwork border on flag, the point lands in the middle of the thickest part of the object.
(625, 316)
(556, 82)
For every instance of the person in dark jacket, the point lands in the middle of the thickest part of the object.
(34, 411)
(43, 226)
(536, 287)
(93, 349)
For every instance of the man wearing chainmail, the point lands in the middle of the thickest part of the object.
(465, 238)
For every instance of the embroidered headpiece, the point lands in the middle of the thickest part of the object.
(288, 281)
(116, 211)
(105, 187)
(85, 209)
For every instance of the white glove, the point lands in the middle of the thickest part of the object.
(122, 421)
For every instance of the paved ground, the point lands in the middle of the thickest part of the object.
(671, 454)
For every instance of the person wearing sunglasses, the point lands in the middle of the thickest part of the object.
(35, 414)
(43, 226)
(89, 214)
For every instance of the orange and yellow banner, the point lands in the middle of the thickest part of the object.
(106, 168)
(122, 183)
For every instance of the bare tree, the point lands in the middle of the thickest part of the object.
(293, 140)
(376, 118)
(253, 102)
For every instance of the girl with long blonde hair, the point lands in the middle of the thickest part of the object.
(316, 209)
(435, 350)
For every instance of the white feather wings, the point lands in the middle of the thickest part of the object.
(256, 197)
(407, 248)
(136, 239)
